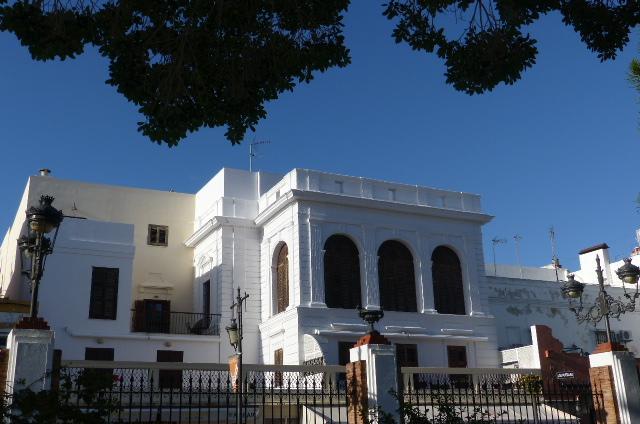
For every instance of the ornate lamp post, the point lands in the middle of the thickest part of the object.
(42, 220)
(605, 305)
(234, 330)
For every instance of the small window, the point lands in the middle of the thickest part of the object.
(158, 235)
(457, 356)
(278, 359)
(407, 355)
(99, 375)
(104, 293)
(170, 379)
(344, 354)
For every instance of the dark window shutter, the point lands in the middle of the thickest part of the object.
(448, 290)
(138, 316)
(341, 273)
(98, 354)
(278, 359)
(282, 279)
(103, 303)
(396, 277)
(170, 379)
(206, 299)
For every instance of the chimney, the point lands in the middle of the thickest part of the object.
(588, 260)
(44, 172)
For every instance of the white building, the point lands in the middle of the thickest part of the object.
(520, 297)
(150, 275)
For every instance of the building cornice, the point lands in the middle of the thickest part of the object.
(376, 204)
(215, 223)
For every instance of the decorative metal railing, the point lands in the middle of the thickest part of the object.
(175, 323)
(204, 393)
(497, 396)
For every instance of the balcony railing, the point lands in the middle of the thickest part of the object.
(175, 323)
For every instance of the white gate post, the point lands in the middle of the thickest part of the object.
(30, 360)
(614, 372)
(376, 379)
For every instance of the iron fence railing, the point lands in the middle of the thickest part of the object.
(497, 396)
(175, 323)
(172, 392)
(204, 393)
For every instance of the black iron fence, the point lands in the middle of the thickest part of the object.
(204, 393)
(171, 392)
(495, 396)
(145, 321)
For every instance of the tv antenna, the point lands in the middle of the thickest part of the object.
(517, 238)
(252, 151)
(555, 262)
(494, 242)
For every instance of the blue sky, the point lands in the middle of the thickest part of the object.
(560, 148)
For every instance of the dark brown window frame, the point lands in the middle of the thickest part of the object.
(342, 281)
(448, 282)
(170, 379)
(397, 277)
(282, 279)
(97, 295)
(157, 242)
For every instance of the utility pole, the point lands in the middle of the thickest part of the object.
(495, 241)
(252, 151)
(517, 239)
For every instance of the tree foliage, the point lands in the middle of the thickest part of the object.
(188, 64)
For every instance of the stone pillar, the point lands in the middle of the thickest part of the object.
(30, 360)
(372, 379)
(613, 373)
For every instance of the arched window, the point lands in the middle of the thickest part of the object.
(341, 273)
(448, 292)
(396, 277)
(282, 279)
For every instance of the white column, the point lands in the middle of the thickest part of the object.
(625, 377)
(316, 265)
(370, 256)
(30, 360)
(382, 385)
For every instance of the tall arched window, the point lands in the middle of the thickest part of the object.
(282, 279)
(448, 291)
(341, 273)
(396, 277)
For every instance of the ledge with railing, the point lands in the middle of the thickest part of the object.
(175, 323)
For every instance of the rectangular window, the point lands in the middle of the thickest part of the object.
(170, 379)
(407, 355)
(104, 293)
(457, 357)
(343, 352)
(152, 316)
(158, 235)
(99, 375)
(278, 359)
(206, 298)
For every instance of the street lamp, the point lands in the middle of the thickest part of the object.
(42, 219)
(234, 330)
(605, 305)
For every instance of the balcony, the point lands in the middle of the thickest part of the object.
(165, 322)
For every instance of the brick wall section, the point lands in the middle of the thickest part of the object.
(553, 359)
(4, 363)
(604, 399)
(357, 392)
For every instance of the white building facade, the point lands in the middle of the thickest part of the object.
(520, 297)
(308, 247)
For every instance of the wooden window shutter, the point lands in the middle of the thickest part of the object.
(282, 279)
(170, 379)
(341, 273)
(103, 303)
(138, 316)
(448, 290)
(396, 277)
(278, 359)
